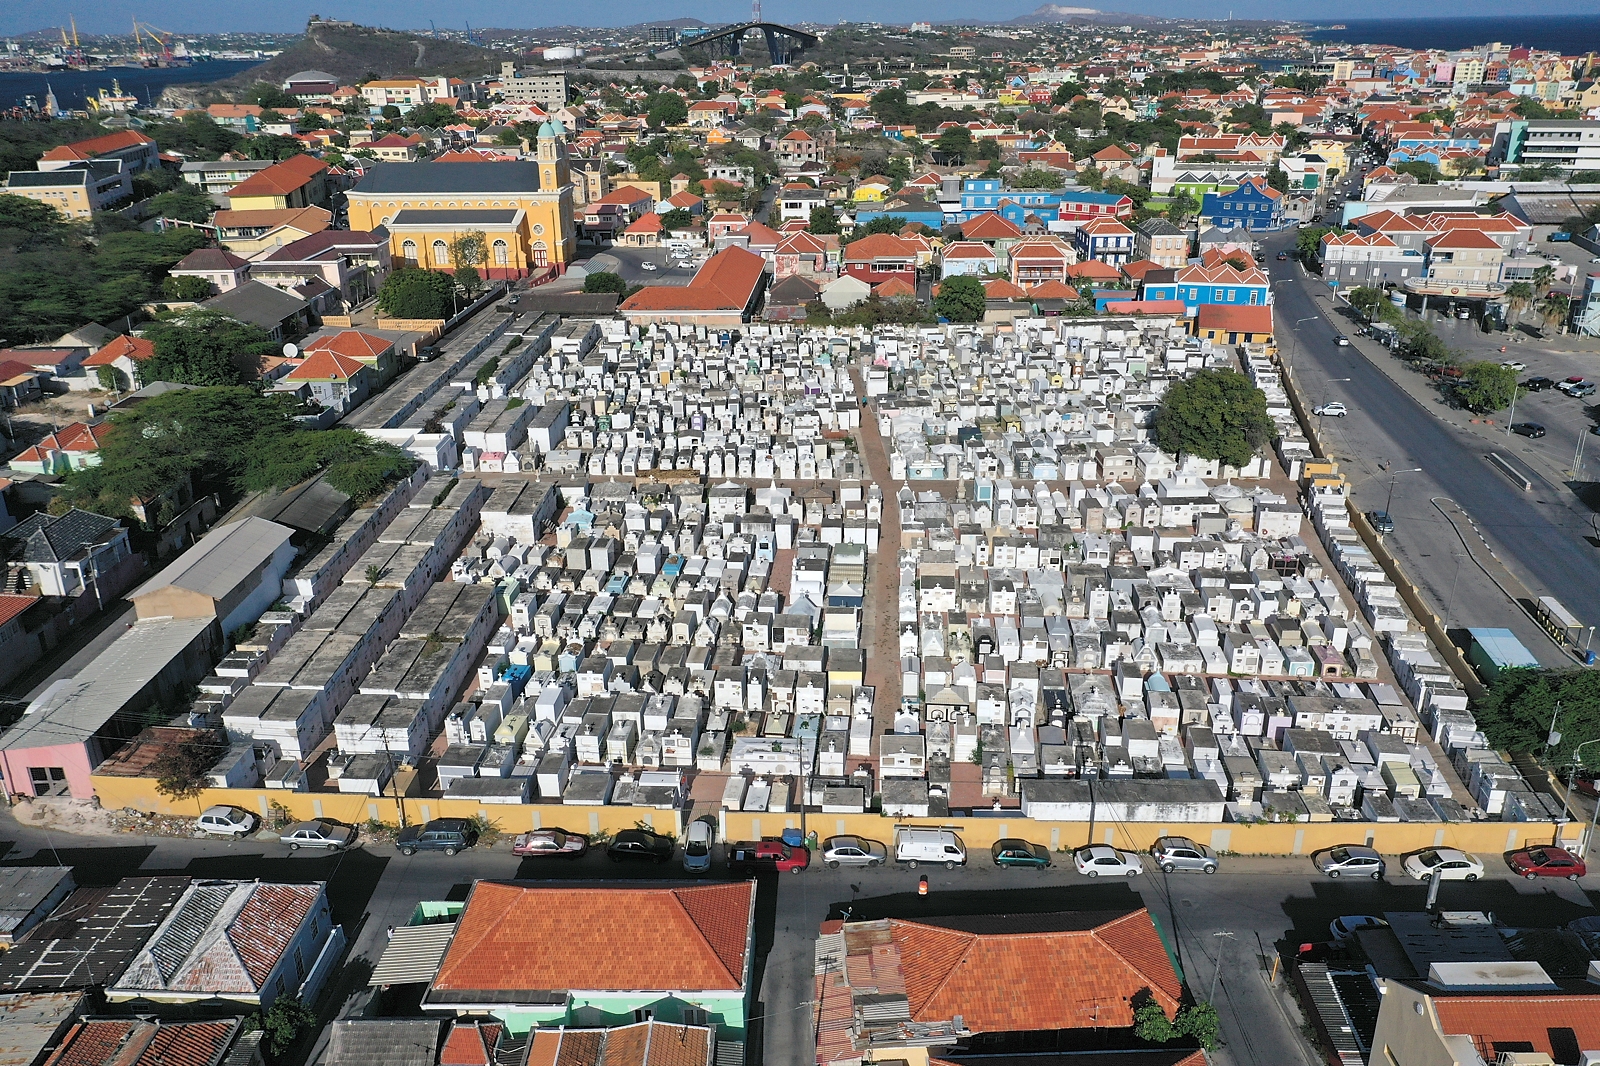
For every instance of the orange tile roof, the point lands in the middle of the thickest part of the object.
(1236, 319)
(879, 246)
(1147, 307)
(1463, 238)
(1081, 973)
(309, 219)
(725, 283)
(1093, 269)
(352, 343)
(326, 365)
(136, 348)
(688, 938)
(280, 179)
(97, 146)
(470, 1043)
(894, 287)
(1053, 290)
(1513, 1018)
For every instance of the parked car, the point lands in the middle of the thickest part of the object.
(319, 834)
(448, 835)
(916, 846)
(550, 843)
(1100, 860)
(752, 855)
(226, 822)
(1547, 861)
(1515, 364)
(1452, 865)
(1332, 410)
(1577, 388)
(1356, 860)
(1181, 853)
(640, 845)
(853, 851)
(1381, 521)
(1538, 384)
(1344, 928)
(1527, 429)
(1013, 851)
(697, 846)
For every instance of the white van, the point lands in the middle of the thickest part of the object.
(913, 846)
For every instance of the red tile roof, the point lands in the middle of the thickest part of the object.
(726, 283)
(879, 246)
(140, 1042)
(470, 1043)
(1512, 1018)
(97, 146)
(691, 938)
(989, 227)
(326, 365)
(280, 179)
(894, 287)
(1074, 973)
(350, 342)
(267, 924)
(135, 348)
(1053, 290)
(1239, 319)
(1463, 238)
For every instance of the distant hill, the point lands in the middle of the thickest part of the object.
(352, 53)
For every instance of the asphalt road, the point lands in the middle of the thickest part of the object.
(1539, 534)
(1243, 914)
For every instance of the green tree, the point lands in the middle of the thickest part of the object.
(1151, 1024)
(1089, 177)
(413, 293)
(1517, 705)
(1277, 179)
(1217, 414)
(469, 280)
(1485, 386)
(1037, 178)
(180, 769)
(1554, 309)
(604, 281)
(281, 1025)
(1181, 208)
(823, 220)
(1367, 300)
(187, 203)
(1519, 297)
(1419, 343)
(955, 141)
(677, 218)
(1543, 278)
(186, 289)
(1425, 173)
(960, 299)
(1308, 242)
(989, 148)
(666, 109)
(205, 347)
(431, 114)
(268, 95)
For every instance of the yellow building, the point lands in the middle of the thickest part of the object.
(1332, 151)
(524, 209)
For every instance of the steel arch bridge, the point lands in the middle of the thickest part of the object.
(783, 42)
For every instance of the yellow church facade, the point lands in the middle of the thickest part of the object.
(523, 209)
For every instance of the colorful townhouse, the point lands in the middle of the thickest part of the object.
(1104, 239)
(979, 195)
(1254, 206)
(1215, 281)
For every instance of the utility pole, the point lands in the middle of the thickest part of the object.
(1216, 970)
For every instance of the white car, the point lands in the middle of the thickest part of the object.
(1515, 364)
(1099, 860)
(1342, 341)
(1452, 865)
(1332, 410)
(648, 266)
(1344, 928)
(226, 822)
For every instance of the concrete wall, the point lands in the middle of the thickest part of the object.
(1390, 838)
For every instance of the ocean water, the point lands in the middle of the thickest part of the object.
(72, 87)
(1568, 34)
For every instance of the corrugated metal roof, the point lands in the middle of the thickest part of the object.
(70, 711)
(413, 955)
(23, 888)
(223, 558)
(30, 1022)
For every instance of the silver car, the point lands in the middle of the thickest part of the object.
(318, 834)
(1181, 853)
(853, 851)
(697, 847)
(1350, 860)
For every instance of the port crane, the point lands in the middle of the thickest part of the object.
(159, 37)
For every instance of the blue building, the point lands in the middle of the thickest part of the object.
(1254, 206)
(1215, 282)
(1050, 205)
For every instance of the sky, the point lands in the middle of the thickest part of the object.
(215, 16)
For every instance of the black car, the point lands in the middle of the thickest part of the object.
(1527, 429)
(1381, 521)
(1538, 384)
(448, 835)
(639, 845)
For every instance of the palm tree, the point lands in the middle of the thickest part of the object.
(1553, 309)
(1544, 277)
(1519, 297)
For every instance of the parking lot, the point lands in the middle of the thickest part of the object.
(644, 266)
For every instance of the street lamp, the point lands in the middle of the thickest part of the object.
(1393, 476)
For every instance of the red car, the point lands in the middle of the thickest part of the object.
(755, 855)
(1548, 862)
(550, 843)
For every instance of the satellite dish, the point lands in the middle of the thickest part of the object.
(290, 350)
